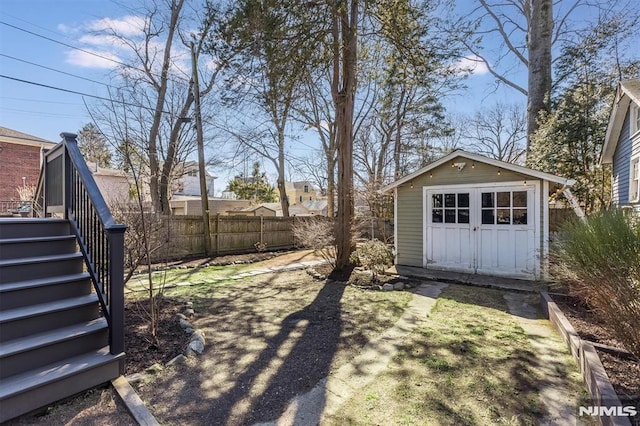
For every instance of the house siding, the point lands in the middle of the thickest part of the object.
(410, 212)
(622, 164)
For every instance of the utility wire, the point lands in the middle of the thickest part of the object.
(81, 94)
(55, 70)
(78, 48)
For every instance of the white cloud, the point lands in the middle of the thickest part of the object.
(89, 60)
(471, 64)
(127, 26)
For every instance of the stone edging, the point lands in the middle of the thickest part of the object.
(585, 355)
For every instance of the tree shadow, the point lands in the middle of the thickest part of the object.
(293, 362)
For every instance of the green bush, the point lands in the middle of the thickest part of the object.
(599, 261)
(373, 255)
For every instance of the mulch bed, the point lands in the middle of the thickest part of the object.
(623, 370)
(142, 349)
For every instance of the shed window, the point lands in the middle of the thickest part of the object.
(634, 184)
(504, 208)
(450, 208)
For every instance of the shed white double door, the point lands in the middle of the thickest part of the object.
(482, 229)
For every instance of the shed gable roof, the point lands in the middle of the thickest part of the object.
(628, 91)
(480, 159)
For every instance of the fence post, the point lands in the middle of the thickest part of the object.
(218, 233)
(261, 228)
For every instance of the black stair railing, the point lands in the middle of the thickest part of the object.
(69, 190)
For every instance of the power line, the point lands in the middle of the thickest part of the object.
(55, 70)
(81, 94)
(79, 49)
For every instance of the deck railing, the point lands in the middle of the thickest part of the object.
(68, 190)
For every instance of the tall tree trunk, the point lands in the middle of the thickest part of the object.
(282, 191)
(345, 23)
(539, 47)
(161, 87)
(331, 182)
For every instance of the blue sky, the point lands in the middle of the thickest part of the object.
(45, 112)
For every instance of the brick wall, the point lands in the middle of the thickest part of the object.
(17, 161)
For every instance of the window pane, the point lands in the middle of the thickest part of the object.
(487, 199)
(449, 200)
(504, 199)
(520, 199)
(463, 200)
(463, 215)
(436, 216)
(437, 200)
(450, 216)
(504, 217)
(519, 217)
(487, 217)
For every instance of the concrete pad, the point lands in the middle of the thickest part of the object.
(554, 393)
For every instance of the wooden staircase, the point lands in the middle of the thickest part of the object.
(54, 338)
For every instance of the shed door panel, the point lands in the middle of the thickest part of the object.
(449, 233)
(486, 230)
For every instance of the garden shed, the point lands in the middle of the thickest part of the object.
(473, 214)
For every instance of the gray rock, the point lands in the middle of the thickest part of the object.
(398, 286)
(185, 324)
(199, 336)
(195, 346)
(180, 359)
(188, 330)
(189, 312)
(181, 316)
(188, 304)
(387, 287)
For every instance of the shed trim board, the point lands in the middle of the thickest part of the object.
(473, 247)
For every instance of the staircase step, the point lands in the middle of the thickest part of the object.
(13, 248)
(30, 227)
(23, 321)
(35, 388)
(19, 355)
(42, 290)
(39, 267)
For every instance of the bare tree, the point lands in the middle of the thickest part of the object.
(498, 132)
(530, 31)
(155, 82)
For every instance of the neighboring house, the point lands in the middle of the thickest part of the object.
(621, 147)
(271, 209)
(112, 183)
(299, 192)
(474, 214)
(21, 156)
(192, 205)
(316, 207)
(188, 182)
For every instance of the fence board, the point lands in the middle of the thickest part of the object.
(239, 234)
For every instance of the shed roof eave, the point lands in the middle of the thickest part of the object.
(479, 158)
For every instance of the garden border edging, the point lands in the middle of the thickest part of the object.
(585, 355)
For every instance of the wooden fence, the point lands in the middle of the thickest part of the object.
(239, 234)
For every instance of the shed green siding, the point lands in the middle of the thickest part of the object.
(410, 205)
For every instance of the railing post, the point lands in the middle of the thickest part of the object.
(116, 290)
